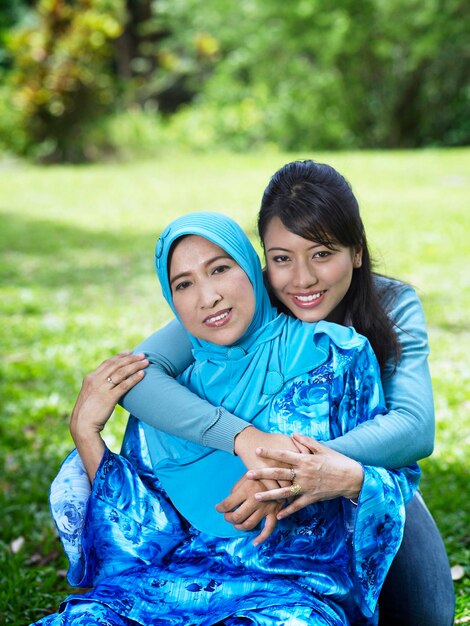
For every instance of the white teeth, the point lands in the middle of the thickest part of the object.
(310, 298)
(217, 318)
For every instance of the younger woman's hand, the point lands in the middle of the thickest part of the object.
(249, 439)
(96, 401)
(323, 474)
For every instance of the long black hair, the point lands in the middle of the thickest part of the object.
(316, 202)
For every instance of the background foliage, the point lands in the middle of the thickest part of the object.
(305, 74)
(77, 283)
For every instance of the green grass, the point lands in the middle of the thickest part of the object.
(77, 284)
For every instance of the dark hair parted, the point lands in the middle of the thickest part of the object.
(316, 202)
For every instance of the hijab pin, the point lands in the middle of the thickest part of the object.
(160, 244)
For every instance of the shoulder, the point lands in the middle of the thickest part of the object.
(404, 308)
(396, 296)
(391, 289)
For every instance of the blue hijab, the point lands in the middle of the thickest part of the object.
(243, 377)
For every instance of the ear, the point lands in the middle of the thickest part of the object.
(357, 258)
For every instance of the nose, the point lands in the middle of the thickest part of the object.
(209, 296)
(304, 276)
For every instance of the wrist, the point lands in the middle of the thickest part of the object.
(354, 483)
(85, 436)
(245, 438)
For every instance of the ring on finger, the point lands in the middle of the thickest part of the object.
(295, 489)
(110, 381)
(292, 474)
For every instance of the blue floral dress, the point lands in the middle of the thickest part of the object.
(147, 565)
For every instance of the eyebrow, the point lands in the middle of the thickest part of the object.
(273, 248)
(206, 264)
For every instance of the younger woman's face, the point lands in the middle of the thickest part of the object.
(310, 279)
(212, 295)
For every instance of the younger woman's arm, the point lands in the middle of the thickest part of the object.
(159, 400)
(406, 433)
(395, 439)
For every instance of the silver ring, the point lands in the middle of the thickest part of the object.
(110, 381)
(292, 474)
(295, 489)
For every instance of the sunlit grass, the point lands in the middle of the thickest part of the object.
(77, 283)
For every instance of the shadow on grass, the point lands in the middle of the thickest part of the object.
(48, 253)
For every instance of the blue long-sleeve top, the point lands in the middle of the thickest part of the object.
(400, 437)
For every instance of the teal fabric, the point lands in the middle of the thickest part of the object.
(242, 377)
(397, 438)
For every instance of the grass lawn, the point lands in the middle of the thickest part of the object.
(77, 284)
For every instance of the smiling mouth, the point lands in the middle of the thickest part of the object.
(218, 319)
(309, 298)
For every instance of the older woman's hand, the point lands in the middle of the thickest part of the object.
(323, 474)
(96, 401)
(242, 509)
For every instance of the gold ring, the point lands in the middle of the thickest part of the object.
(110, 380)
(292, 474)
(295, 489)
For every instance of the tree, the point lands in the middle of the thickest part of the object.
(60, 79)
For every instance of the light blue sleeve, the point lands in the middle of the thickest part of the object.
(406, 433)
(160, 401)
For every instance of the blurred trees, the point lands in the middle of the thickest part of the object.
(302, 74)
(341, 73)
(61, 75)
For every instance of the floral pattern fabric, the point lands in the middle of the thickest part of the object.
(147, 565)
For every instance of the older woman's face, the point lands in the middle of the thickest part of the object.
(310, 279)
(211, 293)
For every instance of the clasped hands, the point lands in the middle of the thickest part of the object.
(265, 492)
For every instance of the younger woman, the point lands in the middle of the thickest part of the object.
(152, 544)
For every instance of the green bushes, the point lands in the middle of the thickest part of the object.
(301, 75)
(60, 81)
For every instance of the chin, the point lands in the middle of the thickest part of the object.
(310, 317)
